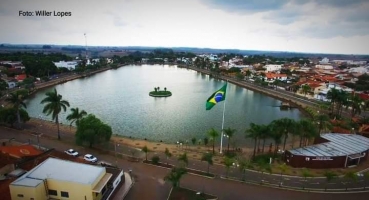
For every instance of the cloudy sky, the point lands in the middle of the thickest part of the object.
(325, 26)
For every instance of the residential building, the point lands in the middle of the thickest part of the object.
(359, 70)
(322, 95)
(270, 77)
(272, 68)
(324, 61)
(60, 179)
(324, 67)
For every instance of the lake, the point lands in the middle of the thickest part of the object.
(121, 99)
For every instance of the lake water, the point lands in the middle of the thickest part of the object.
(120, 98)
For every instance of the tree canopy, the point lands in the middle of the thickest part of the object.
(93, 131)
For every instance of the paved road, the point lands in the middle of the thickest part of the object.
(150, 184)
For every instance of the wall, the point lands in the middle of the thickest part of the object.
(311, 162)
(37, 193)
(75, 190)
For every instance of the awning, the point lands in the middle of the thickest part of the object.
(103, 181)
(355, 156)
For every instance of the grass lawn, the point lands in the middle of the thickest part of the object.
(186, 194)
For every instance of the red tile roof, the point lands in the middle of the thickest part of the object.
(21, 77)
(20, 151)
(274, 75)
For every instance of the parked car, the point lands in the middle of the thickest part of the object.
(90, 158)
(71, 152)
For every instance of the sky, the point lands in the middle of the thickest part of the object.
(313, 26)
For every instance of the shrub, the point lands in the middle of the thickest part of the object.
(155, 160)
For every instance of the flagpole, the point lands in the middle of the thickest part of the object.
(221, 138)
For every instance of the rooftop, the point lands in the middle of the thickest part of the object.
(20, 151)
(338, 145)
(62, 170)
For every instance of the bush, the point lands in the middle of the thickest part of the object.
(155, 160)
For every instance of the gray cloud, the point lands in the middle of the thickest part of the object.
(248, 6)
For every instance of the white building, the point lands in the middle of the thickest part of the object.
(71, 65)
(272, 68)
(322, 95)
(359, 70)
(325, 67)
(324, 61)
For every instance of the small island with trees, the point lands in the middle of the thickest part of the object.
(160, 93)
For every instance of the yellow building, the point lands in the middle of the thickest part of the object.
(61, 179)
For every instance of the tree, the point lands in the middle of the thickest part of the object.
(93, 131)
(3, 86)
(206, 141)
(308, 131)
(156, 89)
(17, 98)
(283, 169)
(54, 105)
(323, 122)
(278, 131)
(167, 154)
(329, 177)
(165, 89)
(243, 166)
(9, 115)
(305, 89)
(212, 133)
(229, 133)
(351, 177)
(286, 126)
(208, 157)
(306, 173)
(183, 157)
(227, 163)
(76, 115)
(145, 150)
(193, 140)
(356, 104)
(175, 176)
(253, 132)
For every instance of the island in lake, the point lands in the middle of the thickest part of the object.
(160, 93)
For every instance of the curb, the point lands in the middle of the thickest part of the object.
(186, 168)
(297, 189)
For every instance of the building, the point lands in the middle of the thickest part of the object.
(71, 65)
(270, 77)
(359, 70)
(324, 61)
(331, 150)
(61, 179)
(272, 68)
(324, 67)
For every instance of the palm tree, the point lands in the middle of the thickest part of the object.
(296, 131)
(165, 89)
(227, 163)
(145, 150)
(278, 132)
(307, 131)
(305, 89)
(183, 158)
(16, 98)
(253, 132)
(193, 140)
(229, 133)
(75, 116)
(212, 133)
(323, 122)
(332, 95)
(208, 157)
(175, 176)
(167, 154)
(265, 133)
(156, 89)
(54, 105)
(356, 104)
(285, 124)
(329, 177)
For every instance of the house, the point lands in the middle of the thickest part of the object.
(272, 68)
(20, 77)
(270, 77)
(322, 95)
(359, 70)
(61, 179)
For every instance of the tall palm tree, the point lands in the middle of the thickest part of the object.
(265, 133)
(16, 98)
(146, 150)
(286, 126)
(175, 176)
(253, 132)
(333, 95)
(76, 115)
(167, 154)
(54, 105)
(212, 133)
(308, 131)
(278, 132)
(296, 131)
(323, 122)
(356, 103)
(229, 133)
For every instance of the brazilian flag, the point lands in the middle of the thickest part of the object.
(216, 97)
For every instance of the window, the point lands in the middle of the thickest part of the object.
(53, 192)
(20, 195)
(64, 194)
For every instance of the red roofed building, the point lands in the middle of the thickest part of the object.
(20, 77)
(20, 151)
(273, 76)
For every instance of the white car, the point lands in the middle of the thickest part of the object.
(90, 158)
(71, 152)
